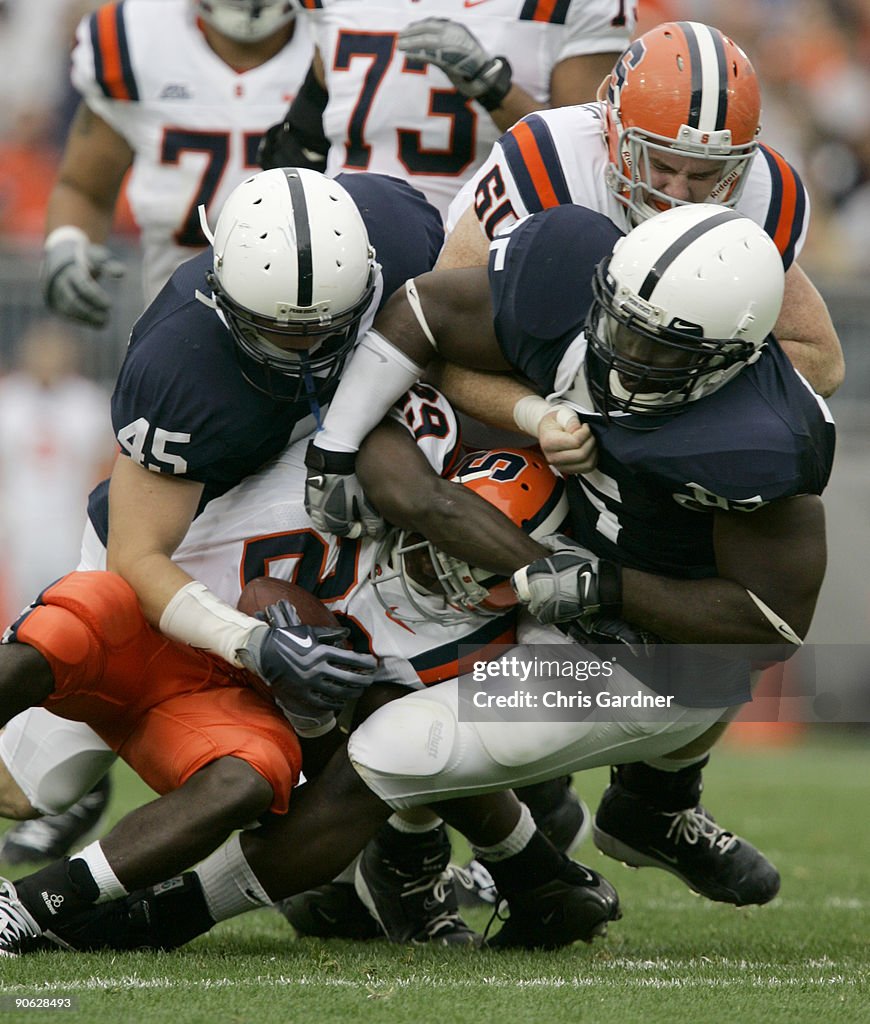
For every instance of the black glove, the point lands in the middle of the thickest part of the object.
(569, 583)
(334, 498)
(451, 47)
(592, 630)
(298, 140)
(307, 673)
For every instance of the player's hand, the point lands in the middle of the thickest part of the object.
(334, 498)
(307, 672)
(568, 445)
(603, 629)
(451, 47)
(71, 268)
(570, 582)
(282, 146)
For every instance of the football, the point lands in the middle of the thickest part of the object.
(266, 590)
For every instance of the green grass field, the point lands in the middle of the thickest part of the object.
(673, 956)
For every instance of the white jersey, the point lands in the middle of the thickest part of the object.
(560, 156)
(193, 123)
(389, 114)
(261, 528)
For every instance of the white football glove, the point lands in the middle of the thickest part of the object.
(71, 267)
(334, 498)
(451, 47)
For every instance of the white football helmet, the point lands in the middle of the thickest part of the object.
(292, 259)
(685, 302)
(439, 588)
(246, 21)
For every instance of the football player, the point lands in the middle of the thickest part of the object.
(713, 456)
(424, 98)
(179, 93)
(397, 596)
(697, 504)
(677, 121)
(227, 364)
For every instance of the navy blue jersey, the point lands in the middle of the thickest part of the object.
(650, 503)
(181, 404)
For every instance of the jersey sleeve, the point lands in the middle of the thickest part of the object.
(592, 26)
(432, 421)
(541, 283)
(776, 198)
(102, 70)
(403, 226)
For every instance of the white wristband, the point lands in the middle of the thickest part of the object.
(529, 411)
(195, 616)
(66, 233)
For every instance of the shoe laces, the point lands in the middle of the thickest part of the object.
(691, 826)
(438, 884)
(16, 924)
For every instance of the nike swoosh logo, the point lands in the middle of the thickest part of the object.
(474, 3)
(299, 641)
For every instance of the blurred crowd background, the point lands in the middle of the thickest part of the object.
(813, 58)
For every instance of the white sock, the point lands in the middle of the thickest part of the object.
(229, 885)
(101, 872)
(516, 840)
(401, 824)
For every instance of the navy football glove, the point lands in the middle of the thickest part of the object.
(310, 677)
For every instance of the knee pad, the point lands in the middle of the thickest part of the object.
(77, 619)
(414, 736)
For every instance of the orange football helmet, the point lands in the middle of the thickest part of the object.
(518, 482)
(684, 88)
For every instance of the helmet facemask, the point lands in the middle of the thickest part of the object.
(441, 588)
(246, 21)
(292, 374)
(631, 181)
(638, 363)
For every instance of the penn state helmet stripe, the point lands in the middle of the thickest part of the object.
(305, 286)
(112, 67)
(534, 162)
(679, 246)
(708, 108)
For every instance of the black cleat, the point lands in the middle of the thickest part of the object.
(405, 881)
(561, 815)
(164, 917)
(573, 907)
(332, 911)
(688, 843)
(52, 836)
